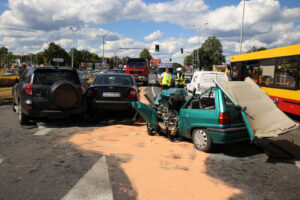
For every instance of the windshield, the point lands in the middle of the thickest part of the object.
(113, 79)
(136, 64)
(52, 76)
(161, 70)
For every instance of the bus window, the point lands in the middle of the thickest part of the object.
(286, 73)
(267, 72)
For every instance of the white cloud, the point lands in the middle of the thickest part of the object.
(156, 35)
(30, 25)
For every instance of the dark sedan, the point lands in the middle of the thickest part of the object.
(112, 93)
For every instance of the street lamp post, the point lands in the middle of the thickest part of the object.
(72, 29)
(103, 37)
(242, 28)
(198, 35)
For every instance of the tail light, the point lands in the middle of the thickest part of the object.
(28, 88)
(224, 118)
(90, 92)
(132, 93)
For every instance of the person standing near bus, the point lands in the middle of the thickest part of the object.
(165, 80)
(180, 81)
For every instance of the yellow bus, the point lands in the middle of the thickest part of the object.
(277, 71)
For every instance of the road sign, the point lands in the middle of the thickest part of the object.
(59, 60)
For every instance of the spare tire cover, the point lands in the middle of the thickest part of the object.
(64, 95)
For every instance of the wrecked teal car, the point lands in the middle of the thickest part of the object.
(223, 114)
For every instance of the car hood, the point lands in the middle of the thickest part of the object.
(165, 95)
(262, 117)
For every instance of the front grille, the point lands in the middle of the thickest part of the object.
(135, 72)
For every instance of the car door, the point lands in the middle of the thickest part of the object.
(147, 113)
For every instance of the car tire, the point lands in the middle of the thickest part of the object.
(202, 140)
(150, 130)
(23, 119)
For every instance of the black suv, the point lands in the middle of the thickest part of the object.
(48, 92)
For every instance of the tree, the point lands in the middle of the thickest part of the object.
(188, 60)
(145, 54)
(8, 58)
(3, 50)
(176, 65)
(38, 58)
(211, 53)
(55, 51)
(254, 49)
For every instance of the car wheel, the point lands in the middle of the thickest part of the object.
(202, 140)
(23, 119)
(150, 130)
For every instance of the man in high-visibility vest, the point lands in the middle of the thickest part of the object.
(180, 81)
(165, 80)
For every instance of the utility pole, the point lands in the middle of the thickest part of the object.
(72, 29)
(198, 35)
(242, 28)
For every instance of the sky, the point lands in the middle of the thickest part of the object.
(30, 25)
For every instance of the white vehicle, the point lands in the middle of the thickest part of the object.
(203, 80)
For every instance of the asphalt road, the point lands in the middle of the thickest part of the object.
(37, 163)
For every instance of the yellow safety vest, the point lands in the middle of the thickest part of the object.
(167, 78)
(182, 82)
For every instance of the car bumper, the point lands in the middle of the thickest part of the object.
(228, 135)
(32, 113)
(117, 106)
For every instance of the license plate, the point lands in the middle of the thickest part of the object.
(111, 94)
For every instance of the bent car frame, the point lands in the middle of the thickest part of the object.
(227, 113)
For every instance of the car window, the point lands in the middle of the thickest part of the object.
(113, 79)
(212, 77)
(52, 76)
(205, 102)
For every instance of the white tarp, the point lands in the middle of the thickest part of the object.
(264, 117)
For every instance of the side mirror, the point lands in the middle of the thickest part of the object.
(194, 91)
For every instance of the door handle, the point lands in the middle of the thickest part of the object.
(187, 115)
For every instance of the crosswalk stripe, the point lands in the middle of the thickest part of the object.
(1, 159)
(43, 131)
(94, 185)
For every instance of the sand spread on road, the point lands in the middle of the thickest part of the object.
(157, 168)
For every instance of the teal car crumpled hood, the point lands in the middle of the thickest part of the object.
(165, 95)
(148, 113)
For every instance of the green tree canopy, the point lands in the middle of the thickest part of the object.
(8, 58)
(211, 53)
(188, 60)
(55, 51)
(145, 54)
(254, 49)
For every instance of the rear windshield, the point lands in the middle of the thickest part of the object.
(213, 77)
(113, 79)
(52, 76)
(136, 64)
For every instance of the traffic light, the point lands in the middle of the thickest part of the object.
(170, 59)
(156, 48)
(181, 50)
(107, 62)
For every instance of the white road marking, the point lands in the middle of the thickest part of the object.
(95, 184)
(153, 92)
(1, 159)
(43, 131)
(297, 163)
